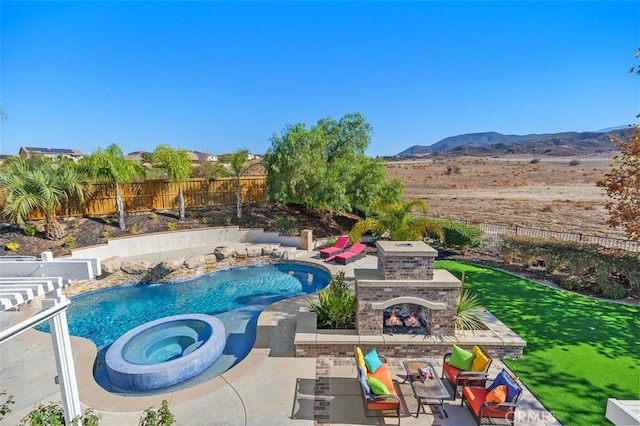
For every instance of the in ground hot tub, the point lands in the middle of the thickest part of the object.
(164, 352)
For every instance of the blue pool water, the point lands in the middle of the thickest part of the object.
(235, 296)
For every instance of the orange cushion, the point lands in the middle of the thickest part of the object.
(476, 396)
(384, 405)
(480, 361)
(382, 374)
(497, 395)
(451, 371)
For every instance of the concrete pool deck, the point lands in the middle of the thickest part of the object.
(270, 386)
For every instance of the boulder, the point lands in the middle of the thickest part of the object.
(171, 265)
(112, 264)
(254, 251)
(210, 258)
(194, 262)
(223, 252)
(136, 267)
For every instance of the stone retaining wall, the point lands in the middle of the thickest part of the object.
(498, 340)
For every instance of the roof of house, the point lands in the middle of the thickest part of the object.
(53, 151)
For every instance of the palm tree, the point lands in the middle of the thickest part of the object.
(240, 167)
(394, 221)
(39, 183)
(177, 163)
(110, 166)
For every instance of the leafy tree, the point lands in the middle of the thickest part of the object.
(239, 168)
(396, 222)
(325, 167)
(622, 183)
(177, 163)
(39, 183)
(110, 166)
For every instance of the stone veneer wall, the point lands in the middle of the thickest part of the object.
(369, 321)
(408, 350)
(405, 260)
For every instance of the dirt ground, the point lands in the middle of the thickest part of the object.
(83, 232)
(550, 194)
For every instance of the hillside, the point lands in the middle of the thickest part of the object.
(494, 143)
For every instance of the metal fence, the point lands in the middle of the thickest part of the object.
(492, 236)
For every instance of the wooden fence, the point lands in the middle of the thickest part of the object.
(162, 195)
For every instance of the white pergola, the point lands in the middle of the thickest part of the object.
(23, 279)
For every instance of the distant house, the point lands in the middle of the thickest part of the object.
(73, 154)
(203, 156)
(5, 156)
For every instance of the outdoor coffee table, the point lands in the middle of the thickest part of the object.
(429, 389)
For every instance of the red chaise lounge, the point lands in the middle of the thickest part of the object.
(354, 253)
(338, 247)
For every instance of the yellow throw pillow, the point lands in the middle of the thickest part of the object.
(480, 361)
(360, 358)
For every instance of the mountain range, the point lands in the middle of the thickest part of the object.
(494, 143)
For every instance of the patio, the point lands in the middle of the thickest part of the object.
(270, 386)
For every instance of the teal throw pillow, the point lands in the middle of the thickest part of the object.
(372, 361)
(460, 358)
(513, 390)
(377, 387)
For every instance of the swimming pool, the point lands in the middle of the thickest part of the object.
(235, 296)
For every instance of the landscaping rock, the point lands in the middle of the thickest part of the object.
(112, 264)
(136, 267)
(254, 251)
(223, 252)
(210, 259)
(171, 265)
(195, 262)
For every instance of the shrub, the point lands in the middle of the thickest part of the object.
(574, 162)
(578, 266)
(29, 231)
(5, 405)
(286, 225)
(534, 161)
(337, 306)
(133, 229)
(69, 242)
(75, 224)
(452, 169)
(205, 220)
(105, 234)
(171, 225)
(162, 417)
(467, 305)
(458, 235)
(153, 216)
(228, 220)
(52, 414)
(12, 246)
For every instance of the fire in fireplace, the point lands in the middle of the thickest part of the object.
(405, 319)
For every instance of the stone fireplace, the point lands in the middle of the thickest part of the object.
(405, 294)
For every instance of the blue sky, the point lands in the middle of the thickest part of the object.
(220, 76)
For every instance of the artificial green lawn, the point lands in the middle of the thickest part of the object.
(580, 351)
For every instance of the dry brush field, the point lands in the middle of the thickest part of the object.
(550, 194)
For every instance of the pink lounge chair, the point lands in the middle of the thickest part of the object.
(354, 253)
(338, 247)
